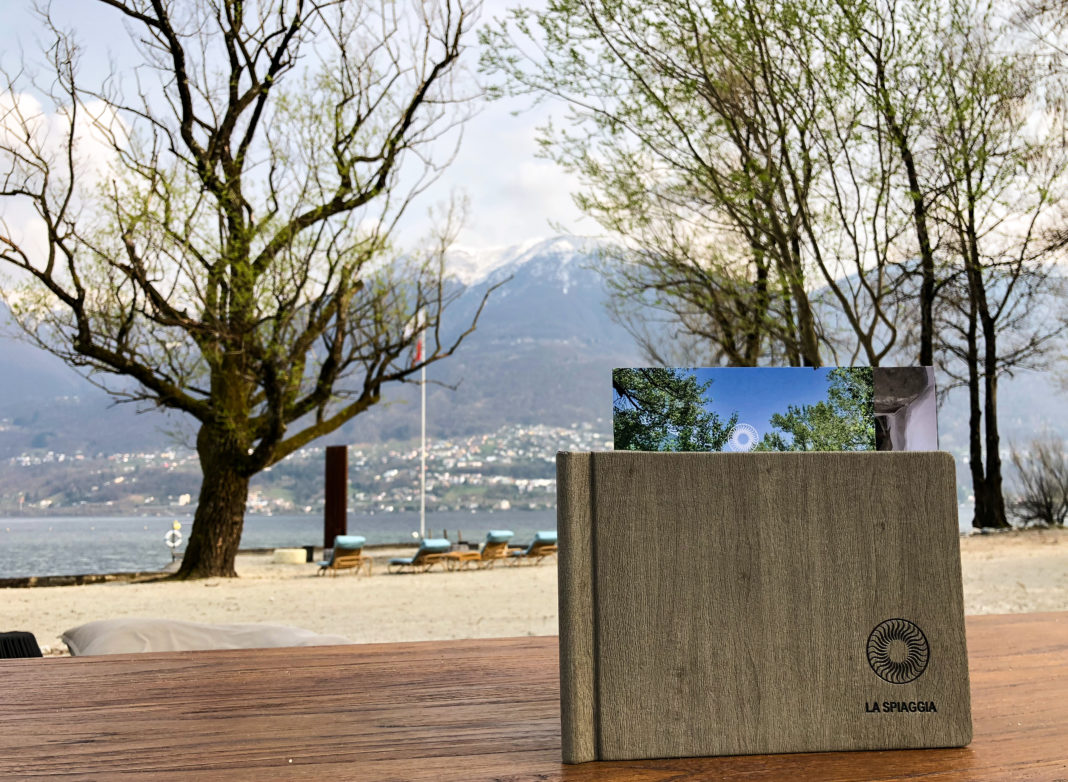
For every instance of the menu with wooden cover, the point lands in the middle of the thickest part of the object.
(739, 603)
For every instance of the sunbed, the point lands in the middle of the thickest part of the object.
(543, 545)
(431, 552)
(347, 555)
(493, 550)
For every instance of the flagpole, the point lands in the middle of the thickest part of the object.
(422, 470)
(419, 347)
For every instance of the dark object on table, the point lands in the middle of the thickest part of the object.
(18, 644)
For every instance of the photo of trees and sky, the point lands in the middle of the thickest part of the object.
(747, 409)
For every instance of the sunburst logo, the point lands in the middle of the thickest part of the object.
(743, 438)
(898, 651)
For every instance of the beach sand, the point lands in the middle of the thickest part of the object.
(1015, 572)
(1003, 573)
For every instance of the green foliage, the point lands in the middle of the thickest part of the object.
(229, 250)
(664, 410)
(736, 156)
(844, 422)
(796, 181)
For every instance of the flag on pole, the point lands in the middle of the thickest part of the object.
(420, 324)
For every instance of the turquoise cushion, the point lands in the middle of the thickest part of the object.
(499, 535)
(542, 538)
(434, 546)
(349, 541)
(427, 546)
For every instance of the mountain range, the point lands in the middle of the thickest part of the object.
(542, 353)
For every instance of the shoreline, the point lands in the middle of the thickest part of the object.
(384, 551)
(393, 549)
(1012, 572)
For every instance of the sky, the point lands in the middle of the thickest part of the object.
(513, 196)
(755, 394)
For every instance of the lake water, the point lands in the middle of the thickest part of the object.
(74, 545)
(77, 545)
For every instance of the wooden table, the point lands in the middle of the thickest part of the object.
(457, 710)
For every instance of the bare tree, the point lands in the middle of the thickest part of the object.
(735, 157)
(885, 47)
(805, 180)
(228, 245)
(1001, 175)
(1042, 480)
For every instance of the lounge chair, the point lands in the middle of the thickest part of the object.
(494, 549)
(347, 555)
(543, 545)
(431, 552)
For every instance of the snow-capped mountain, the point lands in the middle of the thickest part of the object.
(553, 256)
(542, 353)
(543, 350)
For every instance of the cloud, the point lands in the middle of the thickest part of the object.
(34, 139)
(513, 196)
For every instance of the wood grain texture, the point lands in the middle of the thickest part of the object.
(575, 591)
(734, 595)
(458, 711)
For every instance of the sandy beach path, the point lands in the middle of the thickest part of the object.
(503, 601)
(1003, 573)
(1015, 572)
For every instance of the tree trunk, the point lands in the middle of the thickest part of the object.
(927, 298)
(810, 346)
(979, 312)
(919, 221)
(995, 496)
(220, 514)
(975, 425)
(754, 339)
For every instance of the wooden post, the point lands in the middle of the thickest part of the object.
(335, 510)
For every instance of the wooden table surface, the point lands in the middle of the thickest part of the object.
(456, 710)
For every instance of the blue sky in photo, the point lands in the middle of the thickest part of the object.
(757, 392)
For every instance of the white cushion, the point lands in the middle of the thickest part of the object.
(127, 635)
